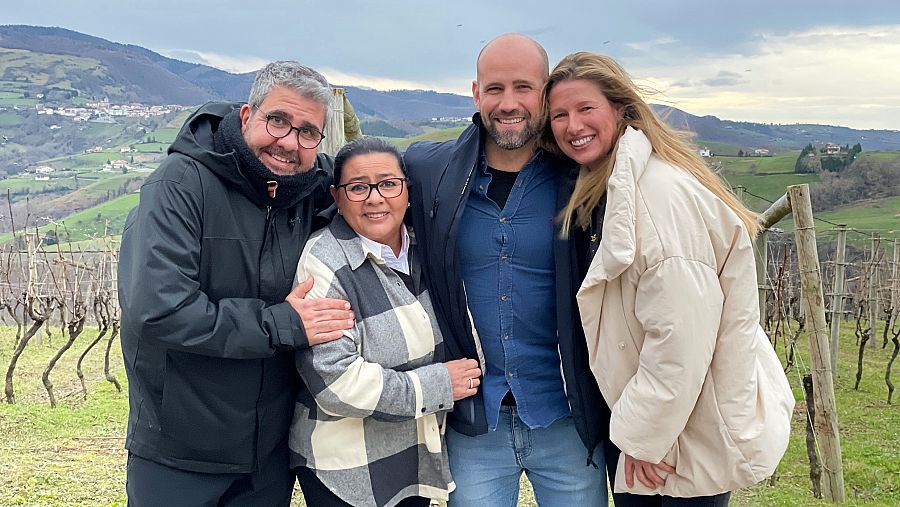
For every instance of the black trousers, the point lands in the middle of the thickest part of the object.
(317, 494)
(630, 500)
(150, 484)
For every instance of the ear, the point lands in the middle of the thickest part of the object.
(475, 96)
(334, 193)
(246, 112)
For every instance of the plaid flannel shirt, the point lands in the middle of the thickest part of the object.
(370, 420)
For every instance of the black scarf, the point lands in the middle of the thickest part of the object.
(228, 138)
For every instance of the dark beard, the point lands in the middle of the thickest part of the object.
(512, 140)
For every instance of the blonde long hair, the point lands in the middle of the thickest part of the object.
(670, 145)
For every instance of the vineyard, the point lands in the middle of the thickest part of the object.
(61, 359)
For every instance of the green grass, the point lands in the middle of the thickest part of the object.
(163, 135)
(721, 149)
(92, 222)
(73, 455)
(434, 135)
(869, 432)
(151, 148)
(10, 119)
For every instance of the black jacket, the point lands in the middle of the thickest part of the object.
(208, 340)
(440, 173)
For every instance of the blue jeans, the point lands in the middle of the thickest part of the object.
(487, 468)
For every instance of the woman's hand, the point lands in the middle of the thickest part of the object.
(464, 377)
(646, 472)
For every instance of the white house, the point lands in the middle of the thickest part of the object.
(44, 169)
(704, 152)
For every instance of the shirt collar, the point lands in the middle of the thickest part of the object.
(383, 254)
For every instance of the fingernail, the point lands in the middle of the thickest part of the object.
(346, 306)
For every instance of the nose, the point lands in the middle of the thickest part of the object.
(289, 142)
(574, 124)
(374, 197)
(508, 101)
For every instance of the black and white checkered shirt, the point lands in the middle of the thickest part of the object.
(370, 421)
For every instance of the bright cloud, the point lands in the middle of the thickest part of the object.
(229, 63)
(843, 75)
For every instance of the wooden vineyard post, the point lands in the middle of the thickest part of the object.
(837, 296)
(334, 129)
(826, 423)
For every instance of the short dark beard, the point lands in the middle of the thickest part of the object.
(512, 140)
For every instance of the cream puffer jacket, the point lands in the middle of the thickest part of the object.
(669, 308)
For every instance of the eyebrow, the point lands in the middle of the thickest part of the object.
(380, 176)
(290, 118)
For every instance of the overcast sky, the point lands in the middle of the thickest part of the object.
(786, 61)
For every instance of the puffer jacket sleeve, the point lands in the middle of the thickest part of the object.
(679, 305)
(159, 289)
(344, 384)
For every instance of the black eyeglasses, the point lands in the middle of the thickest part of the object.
(358, 191)
(278, 127)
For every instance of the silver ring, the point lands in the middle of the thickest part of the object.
(470, 384)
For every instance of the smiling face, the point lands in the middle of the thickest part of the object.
(376, 218)
(583, 121)
(507, 93)
(284, 157)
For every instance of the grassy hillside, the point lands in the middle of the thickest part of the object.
(766, 177)
(434, 135)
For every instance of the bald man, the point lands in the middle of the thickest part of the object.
(503, 288)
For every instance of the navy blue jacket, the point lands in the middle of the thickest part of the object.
(440, 173)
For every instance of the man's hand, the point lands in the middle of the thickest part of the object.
(646, 472)
(323, 319)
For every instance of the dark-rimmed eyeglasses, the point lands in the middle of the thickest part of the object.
(279, 127)
(358, 191)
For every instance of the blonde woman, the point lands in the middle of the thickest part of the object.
(700, 405)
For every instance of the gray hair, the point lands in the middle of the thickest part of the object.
(304, 80)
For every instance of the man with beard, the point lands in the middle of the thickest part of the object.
(209, 321)
(483, 209)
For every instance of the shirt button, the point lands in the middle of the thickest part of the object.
(509, 374)
(503, 297)
(441, 405)
(423, 410)
(503, 219)
(504, 257)
(621, 345)
(506, 337)
(480, 187)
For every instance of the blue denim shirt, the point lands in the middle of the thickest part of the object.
(507, 265)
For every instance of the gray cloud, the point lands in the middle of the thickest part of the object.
(725, 78)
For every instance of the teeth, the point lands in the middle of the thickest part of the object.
(582, 141)
(509, 121)
(376, 215)
(281, 159)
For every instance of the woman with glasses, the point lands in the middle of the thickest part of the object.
(368, 427)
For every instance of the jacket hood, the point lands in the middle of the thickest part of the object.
(196, 141)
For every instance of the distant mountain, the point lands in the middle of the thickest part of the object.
(795, 136)
(93, 68)
(124, 73)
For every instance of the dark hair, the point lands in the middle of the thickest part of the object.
(364, 146)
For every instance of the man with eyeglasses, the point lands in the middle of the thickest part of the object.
(209, 320)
